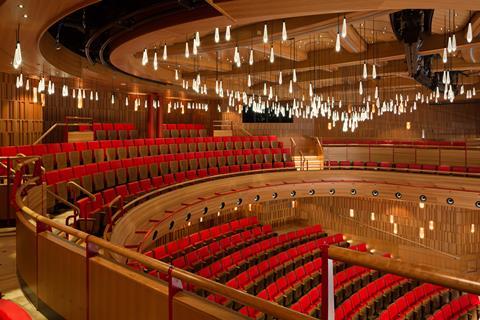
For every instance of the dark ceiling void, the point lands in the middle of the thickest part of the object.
(95, 31)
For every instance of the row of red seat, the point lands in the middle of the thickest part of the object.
(203, 237)
(204, 255)
(280, 291)
(401, 307)
(432, 143)
(180, 126)
(107, 126)
(367, 294)
(413, 167)
(262, 248)
(464, 304)
(51, 148)
(267, 268)
(183, 130)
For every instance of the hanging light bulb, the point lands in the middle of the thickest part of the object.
(73, 94)
(337, 43)
(449, 47)
(272, 55)
(445, 55)
(27, 85)
(17, 56)
(227, 33)
(344, 27)
(91, 95)
(96, 95)
(194, 48)
(294, 76)
(197, 39)
(454, 43)
(365, 72)
(374, 72)
(264, 88)
(310, 90)
(217, 35)
(187, 51)
(176, 74)
(448, 77)
(250, 60)
(113, 99)
(83, 91)
(290, 87)
(469, 33)
(280, 78)
(145, 57)
(165, 52)
(444, 77)
(265, 34)
(462, 89)
(360, 88)
(126, 101)
(376, 92)
(155, 61)
(249, 81)
(284, 31)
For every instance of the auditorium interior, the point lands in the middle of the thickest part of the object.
(239, 159)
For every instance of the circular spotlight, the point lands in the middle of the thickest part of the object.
(375, 193)
(311, 192)
(274, 195)
(353, 192)
(172, 224)
(477, 204)
(239, 201)
(331, 191)
(257, 198)
(222, 205)
(205, 210)
(188, 217)
(450, 201)
(398, 195)
(293, 193)
(423, 198)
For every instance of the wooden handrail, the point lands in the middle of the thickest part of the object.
(58, 124)
(82, 189)
(265, 306)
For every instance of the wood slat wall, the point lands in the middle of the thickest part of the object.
(444, 122)
(451, 232)
(20, 118)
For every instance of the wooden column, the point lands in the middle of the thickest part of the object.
(150, 115)
(160, 109)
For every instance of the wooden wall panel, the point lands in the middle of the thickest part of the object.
(26, 253)
(20, 118)
(381, 154)
(62, 276)
(428, 156)
(404, 155)
(444, 122)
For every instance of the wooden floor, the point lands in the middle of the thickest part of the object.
(9, 285)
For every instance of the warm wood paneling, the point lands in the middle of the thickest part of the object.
(62, 276)
(20, 118)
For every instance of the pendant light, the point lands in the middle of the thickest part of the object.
(176, 74)
(17, 56)
(113, 99)
(272, 55)
(265, 34)
(344, 27)
(310, 90)
(264, 88)
(197, 39)
(91, 95)
(217, 35)
(445, 55)
(165, 52)
(365, 72)
(73, 94)
(376, 92)
(454, 43)
(187, 51)
(280, 78)
(360, 88)
(337, 43)
(126, 101)
(27, 85)
(250, 60)
(249, 81)
(145, 57)
(449, 46)
(194, 48)
(96, 95)
(83, 91)
(374, 72)
(227, 33)
(284, 31)
(294, 76)
(155, 61)
(469, 33)
(290, 87)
